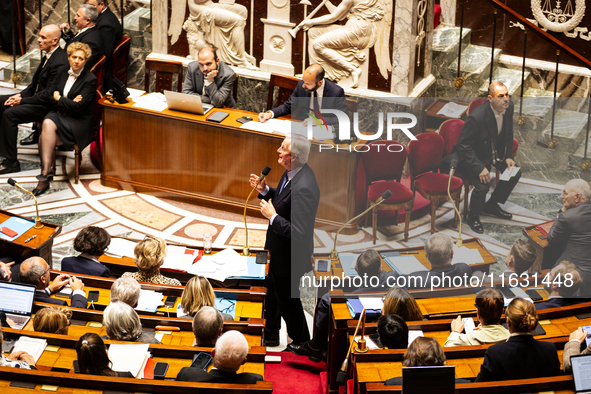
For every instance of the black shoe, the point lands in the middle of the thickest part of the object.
(32, 139)
(305, 350)
(41, 188)
(8, 167)
(495, 210)
(271, 342)
(475, 224)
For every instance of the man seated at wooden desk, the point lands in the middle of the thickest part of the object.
(572, 229)
(35, 271)
(208, 324)
(228, 355)
(563, 282)
(211, 79)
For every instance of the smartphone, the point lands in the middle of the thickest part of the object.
(160, 370)
(93, 295)
(244, 119)
(506, 291)
(170, 301)
(201, 360)
(76, 366)
(534, 295)
(7, 231)
(261, 257)
(322, 265)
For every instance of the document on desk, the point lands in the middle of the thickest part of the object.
(271, 126)
(149, 301)
(373, 303)
(466, 255)
(452, 110)
(153, 101)
(414, 334)
(509, 173)
(348, 261)
(131, 357)
(135, 93)
(221, 265)
(120, 247)
(178, 262)
(405, 265)
(33, 346)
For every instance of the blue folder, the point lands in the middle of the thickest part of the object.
(19, 225)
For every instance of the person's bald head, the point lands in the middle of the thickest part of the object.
(575, 192)
(49, 38)
(313, 77)
(35, 271)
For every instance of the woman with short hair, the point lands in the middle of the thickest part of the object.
(122, 323)
(149, 257)
(91, 242)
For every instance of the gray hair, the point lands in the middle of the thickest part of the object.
(230, 351)
(31, 270)
(580, 186)
(207, 324)
(300, 146)
(438, 249)
(121, 322)
(90, 12)
(126, 290)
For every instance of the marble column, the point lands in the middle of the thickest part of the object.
(448, 12)
(277, 40)
(410, 16)
(160, 26)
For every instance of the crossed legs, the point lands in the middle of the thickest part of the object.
(48, 140)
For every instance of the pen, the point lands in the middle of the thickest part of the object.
(32, 238)
(409, 252)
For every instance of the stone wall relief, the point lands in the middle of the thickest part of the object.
(559, 20)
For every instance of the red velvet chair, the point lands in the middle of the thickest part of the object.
(425, 156)
(475, 103)
(383, 170)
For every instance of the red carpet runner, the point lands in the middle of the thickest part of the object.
(295, 374)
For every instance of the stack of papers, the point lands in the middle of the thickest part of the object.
(120, 247)
(466, 256)
(149, 301)
(414, 334)
(129, 358)
(33, 346)
(452, 110)
(221, 265)
(405, 265)
(178, 259)
(271, 126)
(135, 93)
(153, 101)
(373, 303)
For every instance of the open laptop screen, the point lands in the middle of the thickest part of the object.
(16, 298)
(582, 372)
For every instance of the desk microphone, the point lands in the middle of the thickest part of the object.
(334, 255)
(38, 223)
(264, 173)
(452, 170)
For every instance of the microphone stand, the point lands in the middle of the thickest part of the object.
(245, 249)
(459, 241)
(38, 223)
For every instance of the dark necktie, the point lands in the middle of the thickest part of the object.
(43, 60)
(315, 99)
(283, 184)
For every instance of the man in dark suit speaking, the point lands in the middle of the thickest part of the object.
(35, 101)
(487, 138)
(313, 91)
(291, 210)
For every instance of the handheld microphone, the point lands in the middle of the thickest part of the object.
(38, 223)
(264, 173)
(452, 167)
(334, 255)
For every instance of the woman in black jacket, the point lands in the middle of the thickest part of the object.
(70, 121)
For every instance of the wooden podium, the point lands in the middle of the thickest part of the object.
(40, 246)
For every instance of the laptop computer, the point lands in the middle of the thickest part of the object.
(186, 103)
(16, 300)
(581, 364)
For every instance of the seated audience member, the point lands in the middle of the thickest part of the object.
(422, 352)
(70, 122)
(91, 242)
(369, 264)
(207, 326)
(126, 290)
(521, 257)
(560, 293)
(399, 302)
(228, 355)
(197, 294)
(85, 21)
(439, 252)
(149, 256)
(93, 358)
(489, 308)
(53, 320)
(571, 230)
(122, 323)
(573, 348)
(5, 270)
(392, 332)
(18, 359)
(211, 79)
(521, 357)
(35, 271)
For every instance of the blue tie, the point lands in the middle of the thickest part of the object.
(283, 185)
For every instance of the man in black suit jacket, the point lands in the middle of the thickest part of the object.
(315, 92)
(230, 352)
(88, 33)
(35, 271)
(487, 138)
(35, 101)
(291, 210)
(439, 252)
(111, 32)
(563, 282)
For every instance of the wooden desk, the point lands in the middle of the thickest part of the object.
(433, 120)
(540, 243)
(40, 246)
(179, 155)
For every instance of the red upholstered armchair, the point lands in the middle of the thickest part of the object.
(383, 170)
(474, 104)
(424, 158)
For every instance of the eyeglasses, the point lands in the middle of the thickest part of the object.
(229, 308)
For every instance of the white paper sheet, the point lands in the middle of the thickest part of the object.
(131, 357)
(271, 126)
(414, 334)
(373, 303)
(452, 110)
(33, 346)
(509, 173)
(466, 255)
(149, 301)
(120, 247)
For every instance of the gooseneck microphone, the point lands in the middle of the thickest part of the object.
(264, 173)
(334, 255)
(38, 223)
(452, 170)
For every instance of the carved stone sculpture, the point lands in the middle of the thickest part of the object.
(339, 48)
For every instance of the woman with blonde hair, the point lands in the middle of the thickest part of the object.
(521, 357)
(53, 320)
(399, 302)
(149, 257)
(197, 294)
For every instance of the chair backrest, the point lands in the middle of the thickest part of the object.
(99, 72)
(98, 112)
(381, 164)
(475, 103)
(352, 105)
(165, 71)
(425, 153)
(286, 85)
(121, 59)
(419, 380)
(450, 130)
(515, 146)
